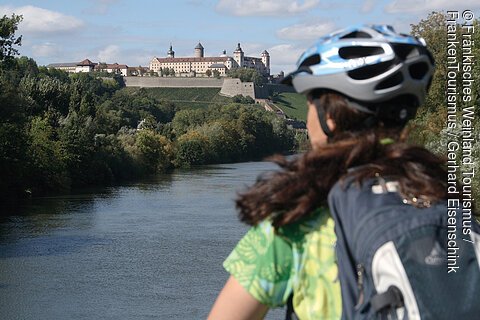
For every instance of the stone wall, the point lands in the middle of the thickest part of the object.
(279, 88)
(152, 82)
(232, 87)
(261, 92)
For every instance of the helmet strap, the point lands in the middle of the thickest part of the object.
(323, 121)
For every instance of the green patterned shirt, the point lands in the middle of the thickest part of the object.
(299, 257)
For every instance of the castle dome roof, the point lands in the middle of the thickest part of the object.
(199, 46)
(239, 49)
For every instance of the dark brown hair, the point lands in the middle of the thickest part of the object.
(303, 183)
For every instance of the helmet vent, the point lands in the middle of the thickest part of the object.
(392, 81)
(370, 71)
(405, 51)
(418, 70)
(359, 52)
(356, 35)
(310, 61)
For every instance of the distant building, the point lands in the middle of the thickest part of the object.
(199, 64)
(85, 66)
(112, 68)
(137, 71)
(89, 66)
(68, 66)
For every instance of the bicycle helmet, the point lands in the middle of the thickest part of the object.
(381, 71)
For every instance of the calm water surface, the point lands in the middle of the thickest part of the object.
(149, 250)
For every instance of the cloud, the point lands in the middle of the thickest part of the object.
(411, 6)
(109, 54)
(100, 6)
(47, 49)
(284, 57)
(38, 20)
(265, 7)
(250, 49)
(306, 31)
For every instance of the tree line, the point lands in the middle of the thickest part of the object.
(60, 131)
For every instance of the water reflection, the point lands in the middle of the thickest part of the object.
(150, 249)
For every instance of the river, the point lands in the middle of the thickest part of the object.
(146, 250)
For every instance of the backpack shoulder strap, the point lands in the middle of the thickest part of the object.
(290, 314)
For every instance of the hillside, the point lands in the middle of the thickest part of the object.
(187, 97)
(293, 104)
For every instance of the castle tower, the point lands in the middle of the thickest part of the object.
(199, 51)
(238, 56)
(266, 61)
(171, 53)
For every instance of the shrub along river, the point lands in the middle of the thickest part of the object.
(149, 250)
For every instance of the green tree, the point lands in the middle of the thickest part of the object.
(76, 135)
(192, 148)
(112, 159)
(283, 137)
(433, 30)
(26, 66)
(247, 75)
(8, 39)
(108, 118)
(54, 73)
(223, 138)
(243, 99)
(13, 139)
(44, 94)
(208, 73)
(187, 119)
(155, 152)
(48, 170)
(216, 73)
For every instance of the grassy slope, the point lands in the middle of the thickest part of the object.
(293, 104)
(188, 97)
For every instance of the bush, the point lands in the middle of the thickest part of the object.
(192, 148)
(243, 99)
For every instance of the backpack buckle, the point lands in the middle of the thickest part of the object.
(392, 298)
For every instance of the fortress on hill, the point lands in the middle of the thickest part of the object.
(199, 64)
(186, 72)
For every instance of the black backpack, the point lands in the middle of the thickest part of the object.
(399, 261)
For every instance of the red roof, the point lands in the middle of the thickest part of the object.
(86, 62)
(111, 66)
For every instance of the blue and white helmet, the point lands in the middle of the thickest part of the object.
(369, 64)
